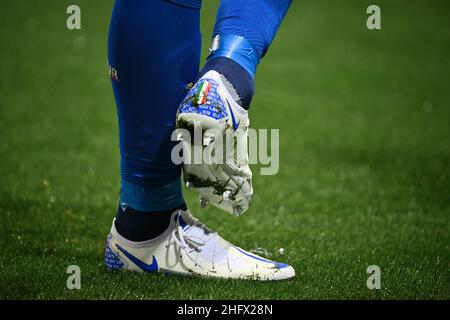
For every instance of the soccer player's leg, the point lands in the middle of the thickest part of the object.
(222, 95)
(153, 53)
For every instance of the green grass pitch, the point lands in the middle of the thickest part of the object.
(364, 158)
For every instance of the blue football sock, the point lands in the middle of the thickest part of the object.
(239, 78)
(243, 32)
(144, 213)
(153, 52)
(136, 225)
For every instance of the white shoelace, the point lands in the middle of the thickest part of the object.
(186, 241)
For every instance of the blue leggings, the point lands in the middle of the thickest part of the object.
(153, 53)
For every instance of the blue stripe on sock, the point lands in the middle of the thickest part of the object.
(236, 48)
(147, 199)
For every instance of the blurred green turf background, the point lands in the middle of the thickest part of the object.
(365, 151)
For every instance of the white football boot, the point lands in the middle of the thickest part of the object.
(209, 113)
(188, 247)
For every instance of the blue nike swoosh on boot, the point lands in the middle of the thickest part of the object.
(235, 125)
(141, 264)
